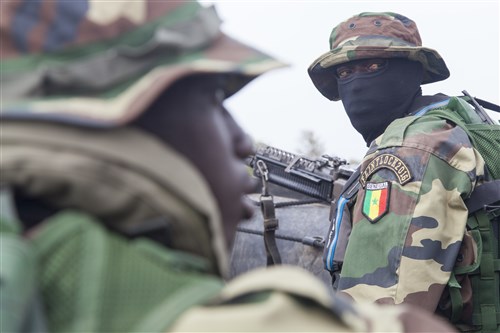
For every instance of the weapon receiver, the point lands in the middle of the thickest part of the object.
(321, 178)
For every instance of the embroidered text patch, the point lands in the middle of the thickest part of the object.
(388, 161)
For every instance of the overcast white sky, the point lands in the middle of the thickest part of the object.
(276, 107)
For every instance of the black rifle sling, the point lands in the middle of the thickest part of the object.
(484, 195)
(270, 226)
(485, 104)
(351, 187)
(270, 220)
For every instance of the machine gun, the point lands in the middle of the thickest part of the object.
(321, 178)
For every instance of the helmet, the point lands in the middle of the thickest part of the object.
(374, 35)
(102, 63)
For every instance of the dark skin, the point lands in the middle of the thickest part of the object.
(190, 118)
(344, 71)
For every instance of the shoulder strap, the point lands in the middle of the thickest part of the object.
(478, 107)
(270, 227)
(488, 105)
(484, 195)
(270, 221)
(352, 184)
(486, 280)
(336, 214)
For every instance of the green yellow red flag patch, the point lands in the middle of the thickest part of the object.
(376, 201)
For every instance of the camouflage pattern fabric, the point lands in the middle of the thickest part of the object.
(287, 299)
(102, 63)
(121, 176)
(374, 35)
(409, 218)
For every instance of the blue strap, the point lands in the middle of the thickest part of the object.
(436, 105)
(338, 221)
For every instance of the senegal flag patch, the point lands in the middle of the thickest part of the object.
(376, 202)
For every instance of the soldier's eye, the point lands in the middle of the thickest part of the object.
(343, 72)
(375, 65)
(362, 66)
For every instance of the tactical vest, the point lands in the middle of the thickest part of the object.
(73, 275)
(482, 227)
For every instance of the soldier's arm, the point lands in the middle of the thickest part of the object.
(410, 216)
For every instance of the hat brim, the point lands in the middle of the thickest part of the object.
(322, 69)
(118, 106)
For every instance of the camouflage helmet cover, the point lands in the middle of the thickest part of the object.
(374, 35)
(102, 63)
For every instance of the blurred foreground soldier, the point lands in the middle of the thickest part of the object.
(123, 181)
(418, 223)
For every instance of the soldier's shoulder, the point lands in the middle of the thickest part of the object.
(428, 133)
(285, 299)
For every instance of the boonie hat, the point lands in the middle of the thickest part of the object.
(374, 35)
(102, 63)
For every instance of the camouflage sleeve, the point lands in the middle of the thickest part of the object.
(409, 218)
(288, 299)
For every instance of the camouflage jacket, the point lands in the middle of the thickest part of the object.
(409, 217)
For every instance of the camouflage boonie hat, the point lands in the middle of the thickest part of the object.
(102, 63)
(374, 35)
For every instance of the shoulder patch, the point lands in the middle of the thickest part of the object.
(387, 161)
(376, 201)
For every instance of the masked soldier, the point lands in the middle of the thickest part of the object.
(123, 181)
(401, 233)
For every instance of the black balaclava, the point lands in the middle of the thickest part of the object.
(373, 100)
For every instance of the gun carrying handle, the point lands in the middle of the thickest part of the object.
(292, 163)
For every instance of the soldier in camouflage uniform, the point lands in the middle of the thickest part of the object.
(400, 226)
(123, 181)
